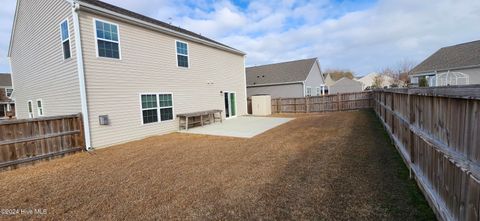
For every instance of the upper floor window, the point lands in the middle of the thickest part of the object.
(182, 54)
(8, 92)
(107, 38)
(65, 34)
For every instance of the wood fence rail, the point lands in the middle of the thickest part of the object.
(326, 103)
(436, 130)
(23, 141)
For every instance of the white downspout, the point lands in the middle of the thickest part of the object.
(304, 88)
(81, 76)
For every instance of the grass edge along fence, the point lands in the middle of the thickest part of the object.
(436, 130)
(30, 140)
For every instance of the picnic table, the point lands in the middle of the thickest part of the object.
(199, 117)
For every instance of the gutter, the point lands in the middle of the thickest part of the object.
(445, 69)
(81, 76)
(275, 84)
(96, 9)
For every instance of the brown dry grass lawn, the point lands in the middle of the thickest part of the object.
(338, 166)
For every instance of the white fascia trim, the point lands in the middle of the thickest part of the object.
(13, 32)
(275, 84)
(245, 81)
(81, 76)
(95, 9)
(423, 73)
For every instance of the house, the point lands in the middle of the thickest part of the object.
(128, 74)
(345, 85)
(368, 80)
(287, 79)
(7, 105)
(453, 65)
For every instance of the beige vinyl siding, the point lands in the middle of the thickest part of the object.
(473, 74)
(148, 65)
(39, 70)
(276, 91)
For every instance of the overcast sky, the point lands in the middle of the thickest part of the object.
(361, 35)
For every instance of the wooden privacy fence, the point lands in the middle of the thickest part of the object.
(437, 131)
(333, 102)
(23, 141)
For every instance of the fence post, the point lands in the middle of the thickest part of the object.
(307, 110)
(279, 108)
(339, 102)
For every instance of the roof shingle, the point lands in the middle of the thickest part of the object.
(452, 57)
(290, 71)
(5, 80)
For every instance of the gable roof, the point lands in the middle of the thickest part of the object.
(133, 15)
(345, 80)
(144, 18)
(285, 72)
(452, 57)
(5, 80)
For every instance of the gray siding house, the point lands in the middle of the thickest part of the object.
(453, 65)
(7, 105)
(287, 79)
(99, 59)
(345, 85)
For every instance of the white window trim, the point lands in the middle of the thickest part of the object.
(306, 91)
(188, 54)
(68, 39)
(157, 108)
(38, 109)
(97, 38)
(6, 93)
(30, 106)
(318, 91)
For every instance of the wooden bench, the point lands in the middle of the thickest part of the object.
(200, 117)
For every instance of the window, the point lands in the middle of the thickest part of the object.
(40, 107)
(309, 91)
(318, 92)
(30, 109)
(182, 54)
(8, 92)
(166, 107)
(156, 107)
(64, 32)
(3, 110)
(108, 40)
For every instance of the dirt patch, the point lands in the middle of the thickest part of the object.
(330, 166)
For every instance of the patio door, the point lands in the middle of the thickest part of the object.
(230, 104)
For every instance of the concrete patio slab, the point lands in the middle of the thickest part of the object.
(244, 126)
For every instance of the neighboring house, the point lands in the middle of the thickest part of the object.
(7, 105)
(345, 85)
(369, 80)
(453, 65)
(98, 59)
(287, 79)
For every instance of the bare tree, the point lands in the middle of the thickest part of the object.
(378, 81)
(398, 76)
